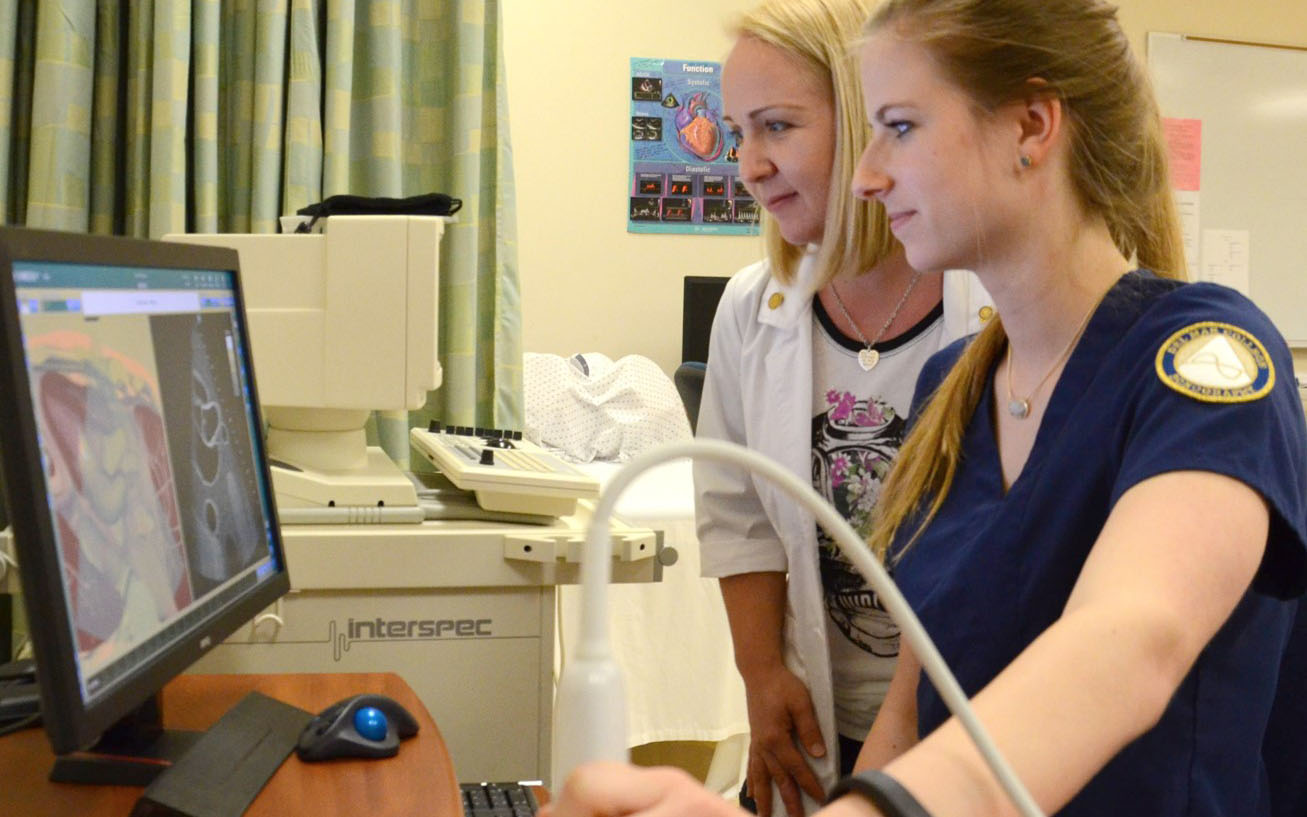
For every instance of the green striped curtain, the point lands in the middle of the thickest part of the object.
(159, 116)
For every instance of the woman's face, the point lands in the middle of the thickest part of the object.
(783, 116)
(943, 170)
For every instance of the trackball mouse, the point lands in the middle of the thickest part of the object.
(359, 726)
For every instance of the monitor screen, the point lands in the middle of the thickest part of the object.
(698, 307)
(133, 459)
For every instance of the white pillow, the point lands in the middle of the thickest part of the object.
(590, 407)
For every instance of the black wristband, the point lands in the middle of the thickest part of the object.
(883, 791)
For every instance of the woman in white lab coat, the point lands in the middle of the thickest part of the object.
(813, 359)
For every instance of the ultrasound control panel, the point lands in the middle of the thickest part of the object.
(505, 472)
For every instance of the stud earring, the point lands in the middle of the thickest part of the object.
(1026, 161)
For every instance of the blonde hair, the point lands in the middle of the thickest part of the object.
(1075, 51)
(821, 33)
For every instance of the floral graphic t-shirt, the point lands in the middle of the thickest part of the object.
(858, 425)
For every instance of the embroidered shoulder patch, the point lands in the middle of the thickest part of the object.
(1216, 363)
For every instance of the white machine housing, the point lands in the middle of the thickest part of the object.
(343, 322)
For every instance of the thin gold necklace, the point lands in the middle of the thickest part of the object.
(1019, 408)
(868, 357)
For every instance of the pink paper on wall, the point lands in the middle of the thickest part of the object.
(1184, 140)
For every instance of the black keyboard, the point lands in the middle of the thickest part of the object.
(498, 800)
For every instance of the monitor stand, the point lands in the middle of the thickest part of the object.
(131, 753)
(217, 771)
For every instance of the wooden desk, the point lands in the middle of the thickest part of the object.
(419, 781)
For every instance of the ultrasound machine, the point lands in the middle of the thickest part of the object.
(145, 516)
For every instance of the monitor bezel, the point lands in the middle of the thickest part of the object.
(70, 723)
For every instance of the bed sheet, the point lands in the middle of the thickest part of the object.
(670, 638)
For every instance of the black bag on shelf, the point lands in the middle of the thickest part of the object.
(427, 204)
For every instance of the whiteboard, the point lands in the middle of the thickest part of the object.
(1251, 101)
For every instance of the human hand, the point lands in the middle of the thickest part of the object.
(781, 713)
(618, 790)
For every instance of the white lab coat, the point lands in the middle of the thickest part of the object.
(758, 392)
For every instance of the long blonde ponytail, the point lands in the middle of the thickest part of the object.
(929, 457)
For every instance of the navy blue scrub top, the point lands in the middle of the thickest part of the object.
(995, 569)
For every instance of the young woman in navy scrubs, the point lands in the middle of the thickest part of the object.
(1101, 515)
(1101, 511)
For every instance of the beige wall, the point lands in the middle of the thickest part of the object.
(587, 284)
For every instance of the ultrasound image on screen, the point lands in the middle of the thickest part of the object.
(110, 481)
(204, 409)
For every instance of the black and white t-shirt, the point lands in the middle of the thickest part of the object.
(858, 424)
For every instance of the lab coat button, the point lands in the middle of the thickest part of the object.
(775, 301)
(986, 312)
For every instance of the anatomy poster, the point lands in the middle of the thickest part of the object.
(684, 167)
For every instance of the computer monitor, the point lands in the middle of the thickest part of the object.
(698, 307)
(138, 489)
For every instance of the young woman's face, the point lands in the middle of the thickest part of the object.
(941, 168)
(783, 116)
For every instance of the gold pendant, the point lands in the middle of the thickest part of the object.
(1019, 409)
(868, 358)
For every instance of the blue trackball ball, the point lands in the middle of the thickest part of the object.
(370, 722)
